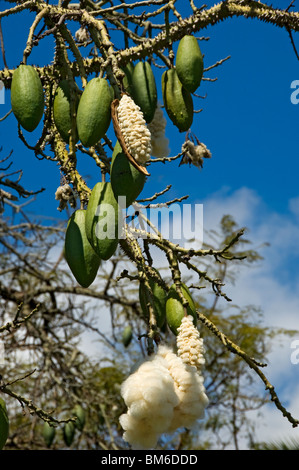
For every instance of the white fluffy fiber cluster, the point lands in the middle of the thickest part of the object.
(195, 154)
(189, 344)
(150, 396)
(133, 127)
(157, 129)
(65, 194)
(82, 35)
(162, 395)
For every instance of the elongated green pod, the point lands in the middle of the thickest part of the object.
(94, 111)
(80, 414)
(48, 434)
(62, 108)
(79, 254)
(125, 179)
(144, 90)
(159, 301)
(127, 80)
(175, 310)
(177, 101)
(102, 219)
(4, 424)
(27, 97)
(189, 63)
(69, 433)
(127, 336)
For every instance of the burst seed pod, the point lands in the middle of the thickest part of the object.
(134, 130)
(189, 344)
(189, 63)
(27, 97)
(177, 100)
(159, 141)
(144, 90)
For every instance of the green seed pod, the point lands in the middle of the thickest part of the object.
(175, 310)
(159, 301)
(127, 336)
(62, 109)
(189, 63)
(127, 81)
(144, 90)
(177, 101)
(27, 97)
(4, 424)
(80, 256)
(94, 111)
(48, 434)
(69, 433)
(112, 92)
(79, 412)
(125, 179)
(102, 218)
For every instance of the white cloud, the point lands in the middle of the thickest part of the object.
(242, 204)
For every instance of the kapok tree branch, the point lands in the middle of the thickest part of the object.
(253, 364)
(199, 20)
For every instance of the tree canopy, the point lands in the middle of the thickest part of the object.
(97, 99)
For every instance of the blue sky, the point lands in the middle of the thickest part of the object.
(251, 127)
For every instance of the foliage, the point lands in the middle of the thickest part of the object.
(289, 444)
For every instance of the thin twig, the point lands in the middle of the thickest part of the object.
(292, 42)
(2, 46)
(6, 115)
(253, 364)
(152, 198)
